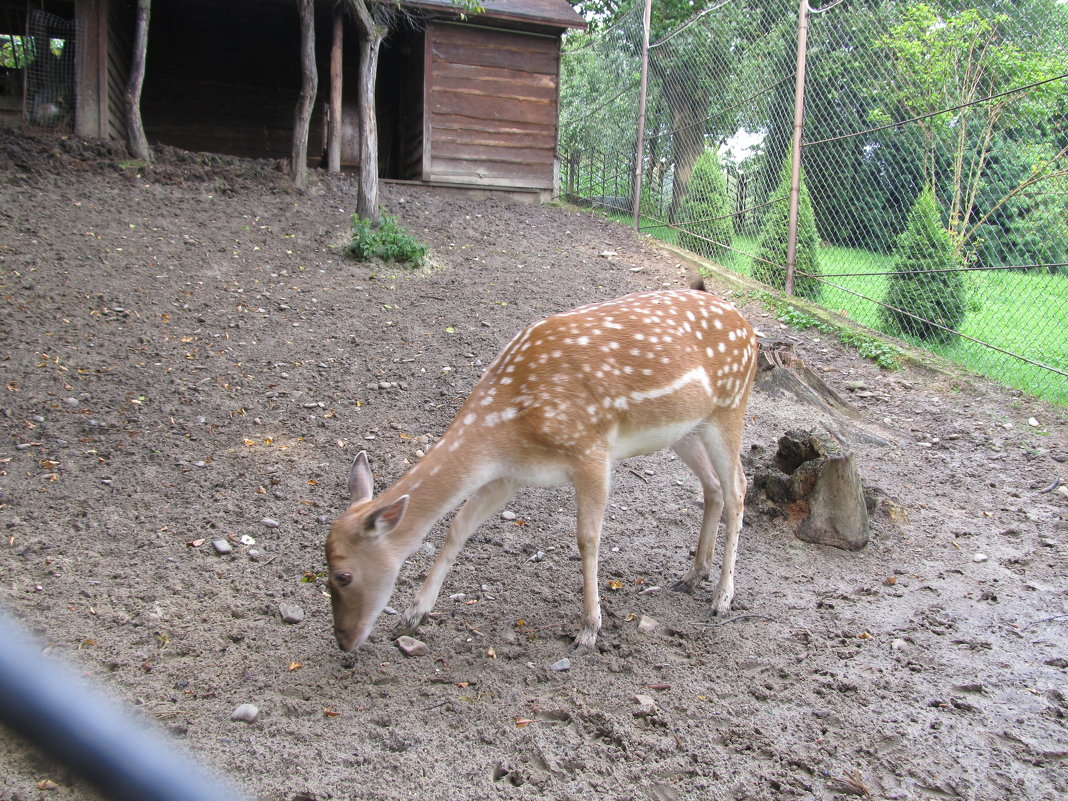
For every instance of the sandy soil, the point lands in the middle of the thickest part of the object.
(186, 353)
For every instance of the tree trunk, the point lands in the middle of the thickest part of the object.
(333, 148)
(136, 141)
(371, 37)
(688, 122)
(308, 87)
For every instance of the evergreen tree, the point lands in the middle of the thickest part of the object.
(706, 212)
(936, 297)
(774, 241)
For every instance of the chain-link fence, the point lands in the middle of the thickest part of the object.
(928, 197)
(37, 66)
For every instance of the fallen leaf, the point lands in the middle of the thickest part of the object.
(295, 666)
(521, 722)
(615, 584)
(46, 784)
(196, 543)
(330, 713)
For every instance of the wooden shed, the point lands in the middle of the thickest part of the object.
(461, 100)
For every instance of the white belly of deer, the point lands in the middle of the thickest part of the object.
(649, 440)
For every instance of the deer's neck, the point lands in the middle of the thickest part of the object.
(435, 485)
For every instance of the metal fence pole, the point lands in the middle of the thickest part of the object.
(639, 145)
(795, 146)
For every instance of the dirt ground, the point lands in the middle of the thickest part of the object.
(187, 355)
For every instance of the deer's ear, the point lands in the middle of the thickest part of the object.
(361, 483)
(383, 521)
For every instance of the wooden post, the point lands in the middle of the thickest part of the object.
(795, 151)
(333, 148)
(309, 85)
(136, 141)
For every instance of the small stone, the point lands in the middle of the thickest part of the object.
(853, 386)
(1063, 490)
(255, 554)
(409, 646)
(291, 613)
(562, 665)
(270, 522)
(1033, 422)
(646, 705)
(980, 558)
(899, 644)
(646, 625)
(507, 515)
(245, 712)
(222, 547)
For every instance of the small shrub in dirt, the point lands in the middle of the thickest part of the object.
(939, 299)
(705, 215)
(775, 237)
(388, 242)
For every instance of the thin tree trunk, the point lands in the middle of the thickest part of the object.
(333, 148)
(308, 87)
(136, 141)
(371, 37)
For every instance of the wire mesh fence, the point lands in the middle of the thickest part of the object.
(902, 163)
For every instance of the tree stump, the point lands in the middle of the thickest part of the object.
(817, 486)
(780, 371)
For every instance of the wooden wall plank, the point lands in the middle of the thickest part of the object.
(492, 102)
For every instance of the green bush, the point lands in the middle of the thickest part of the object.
(936, 297)
(774, 238)
(388, 242)
(705, 214)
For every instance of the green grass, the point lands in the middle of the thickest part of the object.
(1024, 313)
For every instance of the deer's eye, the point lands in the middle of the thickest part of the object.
(343, 578)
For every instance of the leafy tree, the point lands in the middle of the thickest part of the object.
(770, 264)
(935, 301)
(705, 215)
(952, 61)
(698, 50)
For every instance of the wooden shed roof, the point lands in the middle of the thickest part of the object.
(553, 13)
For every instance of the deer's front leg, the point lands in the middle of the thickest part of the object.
(591, 496)
(488, 499)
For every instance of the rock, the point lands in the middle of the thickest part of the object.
(899, 644)
(562, 665)
(1031, 421)
(979, 558)
(409, 646)
(646, 705)
(270, 522)
(245, 712)
(255, 554)
(507, 515)
(291, 613)
(222, 547)
(646, 625)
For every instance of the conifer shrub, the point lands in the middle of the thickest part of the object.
(705, 214)
(936, 298)
(774, 238)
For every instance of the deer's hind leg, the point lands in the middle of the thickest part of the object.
(693, 453)
(723, 446)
